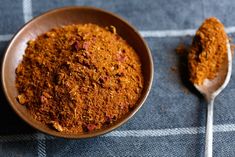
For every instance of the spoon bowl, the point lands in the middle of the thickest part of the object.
(210, 89)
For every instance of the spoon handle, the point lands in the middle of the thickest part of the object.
(209, 129)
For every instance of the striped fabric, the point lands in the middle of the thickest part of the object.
(171, 122)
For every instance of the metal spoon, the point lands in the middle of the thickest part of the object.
(210, 89)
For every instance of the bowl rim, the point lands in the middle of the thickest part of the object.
(74, 136)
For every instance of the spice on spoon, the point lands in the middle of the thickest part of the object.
(208, 51)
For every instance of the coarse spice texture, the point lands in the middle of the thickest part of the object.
(79, 78)
(208, 51)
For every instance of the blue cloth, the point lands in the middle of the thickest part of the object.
(171, 122)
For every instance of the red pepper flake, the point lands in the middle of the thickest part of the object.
(120, 56)
(86, 45)
(91, 127)
(43, 99)
(77, 45)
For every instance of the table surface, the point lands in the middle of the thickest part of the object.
(171, 122)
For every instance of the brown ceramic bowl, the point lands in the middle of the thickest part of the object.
(66, 16)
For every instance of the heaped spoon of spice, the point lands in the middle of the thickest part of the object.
(210, 66)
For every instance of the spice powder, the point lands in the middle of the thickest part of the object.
(208, 51)
(79, 78)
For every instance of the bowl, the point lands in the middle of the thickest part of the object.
(65, 16)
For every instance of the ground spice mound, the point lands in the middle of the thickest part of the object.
(79, 78)
(208, 51)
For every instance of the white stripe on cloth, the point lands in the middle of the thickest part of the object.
(170, 132)
(222, 128)
(24, 137)
(27, 10)
(177, 33)
(168, 33)
(156, 133)
(6, 37)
